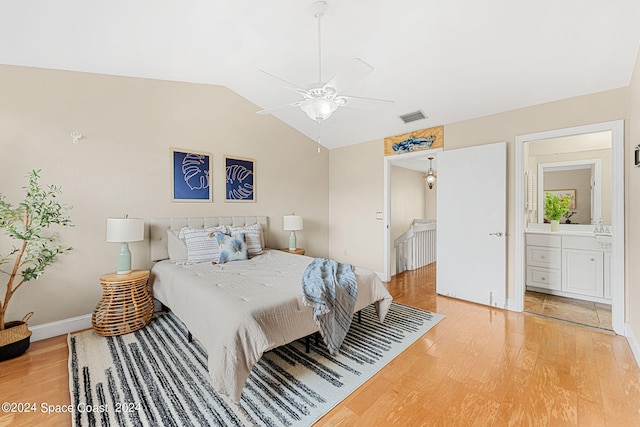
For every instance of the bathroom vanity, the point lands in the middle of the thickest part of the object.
(568, 263)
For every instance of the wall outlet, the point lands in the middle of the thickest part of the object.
(379, 215)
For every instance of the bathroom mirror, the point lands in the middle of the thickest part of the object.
(579, 165)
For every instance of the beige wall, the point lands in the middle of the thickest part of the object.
(408, 202)
(632, 214)
(432, 207)
(121, 165)
(593, 108)
(356, 194)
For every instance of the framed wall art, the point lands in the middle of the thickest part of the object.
(425, 139)
(191, 181)
(240, 185)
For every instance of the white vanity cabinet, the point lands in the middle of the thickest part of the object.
(544, 260)
(583, 266)
(568, 265)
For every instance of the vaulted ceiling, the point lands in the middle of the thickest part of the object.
(454, 60)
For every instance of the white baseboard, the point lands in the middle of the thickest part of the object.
(60, 327)
(633, 343)
(512, 305)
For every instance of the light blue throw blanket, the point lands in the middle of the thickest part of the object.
(331, 288)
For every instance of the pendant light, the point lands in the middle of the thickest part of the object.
(430, 177)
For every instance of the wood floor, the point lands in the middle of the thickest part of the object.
(478, 367)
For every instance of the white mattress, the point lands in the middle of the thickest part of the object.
(242, 309)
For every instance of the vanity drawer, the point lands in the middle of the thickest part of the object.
(540, 256)
(549, 240)
(543, 278)
(580, 242)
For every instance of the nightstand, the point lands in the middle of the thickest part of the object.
(125, 306)
(298, 251)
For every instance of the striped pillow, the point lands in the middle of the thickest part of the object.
(252, 237)
(201, 244)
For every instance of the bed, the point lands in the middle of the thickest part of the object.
(241, 309)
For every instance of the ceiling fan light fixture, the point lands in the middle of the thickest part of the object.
(319, 109)
(322, 98)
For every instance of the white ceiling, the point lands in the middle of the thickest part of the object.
(454, 60)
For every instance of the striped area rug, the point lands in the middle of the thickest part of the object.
(154, 377)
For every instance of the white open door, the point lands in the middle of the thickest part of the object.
(471, 237)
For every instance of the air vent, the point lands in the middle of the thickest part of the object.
(412, 117)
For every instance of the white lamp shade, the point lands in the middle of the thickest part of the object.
(122, 230)
(319, 108)
(292, 222)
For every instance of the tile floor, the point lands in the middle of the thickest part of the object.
(572, 310)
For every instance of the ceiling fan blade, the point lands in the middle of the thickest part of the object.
(366, 103)
(279, 107)
(355, 71)
(285, 84)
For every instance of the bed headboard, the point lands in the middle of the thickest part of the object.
(158, 229)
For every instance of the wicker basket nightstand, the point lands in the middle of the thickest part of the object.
(126, 305)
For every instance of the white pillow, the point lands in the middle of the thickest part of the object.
(176, 247)
(252, 237)
(201, 244)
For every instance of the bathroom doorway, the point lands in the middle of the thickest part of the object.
(605, 213)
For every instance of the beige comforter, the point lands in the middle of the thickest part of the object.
(242, 309)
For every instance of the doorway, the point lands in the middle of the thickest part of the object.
(473, 178)
(523, 213)
(416, 161)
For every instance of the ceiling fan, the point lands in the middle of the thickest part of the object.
(320, 100)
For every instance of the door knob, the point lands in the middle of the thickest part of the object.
(498, 234)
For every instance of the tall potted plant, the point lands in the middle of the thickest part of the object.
(27, 223)
(555, 206)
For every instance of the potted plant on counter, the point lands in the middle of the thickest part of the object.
(555, 206)
(27, 224)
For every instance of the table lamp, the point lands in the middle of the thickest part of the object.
(292, 223)
(124, 230)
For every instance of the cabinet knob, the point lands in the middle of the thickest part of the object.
(543, 278)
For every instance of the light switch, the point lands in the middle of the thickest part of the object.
(379, 215)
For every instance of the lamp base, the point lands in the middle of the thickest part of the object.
(292, 241)
(124, 260)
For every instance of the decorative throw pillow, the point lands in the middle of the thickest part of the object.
(201, 246)
(253, 237)
(232, 248)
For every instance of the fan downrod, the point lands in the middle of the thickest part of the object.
(318, 8)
